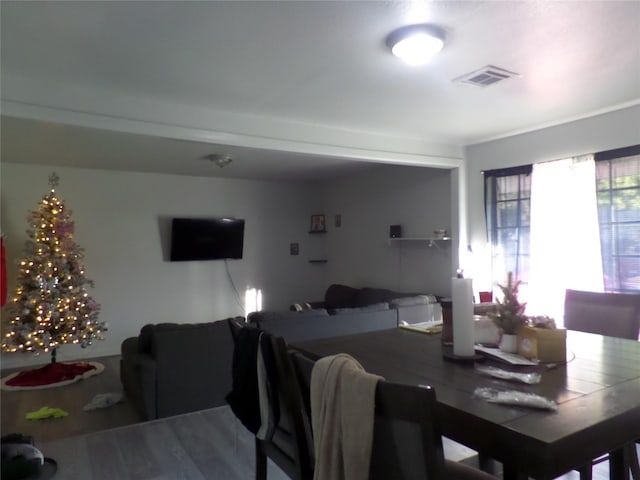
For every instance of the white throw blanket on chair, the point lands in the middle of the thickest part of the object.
(342, 417)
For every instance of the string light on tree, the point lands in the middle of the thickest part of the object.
(51, 305)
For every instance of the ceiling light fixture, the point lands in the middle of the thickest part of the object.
(220, 159)
(416, 44)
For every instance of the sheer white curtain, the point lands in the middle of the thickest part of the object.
(565, 238)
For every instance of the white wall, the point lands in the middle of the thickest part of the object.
(603, 132)
(120, 222)
(359, 254)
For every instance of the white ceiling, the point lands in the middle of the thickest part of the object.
(294, 89)
(37, 142)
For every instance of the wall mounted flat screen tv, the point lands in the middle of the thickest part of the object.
(206, 238)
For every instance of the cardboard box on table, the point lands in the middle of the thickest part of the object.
(543, 344)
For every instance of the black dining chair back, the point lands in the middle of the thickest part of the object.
(302, 367)
(406, 439)
(407, 442)
(288, 443)
(235, 326)
(612, 315)
(267, 401)
(603, 313)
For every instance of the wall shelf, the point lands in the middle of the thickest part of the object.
(430, 241)
(320, 260)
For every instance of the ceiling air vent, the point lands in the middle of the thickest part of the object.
(486, 76)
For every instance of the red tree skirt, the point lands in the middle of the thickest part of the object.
(51, 375)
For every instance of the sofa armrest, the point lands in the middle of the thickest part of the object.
(138, 377)
(129, 347)
(147, 375)
(410, 314)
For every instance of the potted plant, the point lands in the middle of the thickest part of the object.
(509, 315)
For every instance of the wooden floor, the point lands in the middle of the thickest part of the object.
(210, 444)
(226, 451)
(14, 405)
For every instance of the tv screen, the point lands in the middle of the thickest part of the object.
(206, 238)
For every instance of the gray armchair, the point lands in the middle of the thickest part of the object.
(171, 368)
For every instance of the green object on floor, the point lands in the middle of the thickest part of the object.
(46, 412)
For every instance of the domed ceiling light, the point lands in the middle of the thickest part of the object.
(416, 44)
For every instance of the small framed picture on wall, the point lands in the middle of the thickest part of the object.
(318, 224)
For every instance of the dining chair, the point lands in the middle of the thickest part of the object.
(603, 313)
(633, 460)
(288, 442)
(235, 326)
(407, 443)
(243, 397)
(613, 315)
(267, 402)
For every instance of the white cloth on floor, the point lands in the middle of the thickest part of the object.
(103, 400)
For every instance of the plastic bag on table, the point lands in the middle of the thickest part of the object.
(529, 378)
(513, 397)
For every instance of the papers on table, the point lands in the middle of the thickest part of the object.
(423, 327)
(512, 358)
(436, 327)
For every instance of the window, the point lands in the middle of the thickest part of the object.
(508, 205)
(618, 190)
(252, 300)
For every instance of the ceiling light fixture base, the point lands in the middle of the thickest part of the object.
(416, 44)
(220, 159)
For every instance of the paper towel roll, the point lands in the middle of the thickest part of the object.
(462, 296)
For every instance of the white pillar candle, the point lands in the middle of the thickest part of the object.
(462, 296)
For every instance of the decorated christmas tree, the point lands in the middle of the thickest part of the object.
(51, 306)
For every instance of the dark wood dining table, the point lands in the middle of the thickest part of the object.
(597, 392)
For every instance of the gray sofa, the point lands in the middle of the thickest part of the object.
(347, 310)
(339, 296)
(318, 323)
(172, 368)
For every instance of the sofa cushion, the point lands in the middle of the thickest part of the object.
(367, 296)
(374, 307)
(340, 296)
(145, 338)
